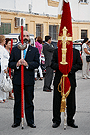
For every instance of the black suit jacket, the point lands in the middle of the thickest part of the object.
(77, 65)
(48, 53)
(32, 58)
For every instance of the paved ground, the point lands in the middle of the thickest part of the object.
(43, 113)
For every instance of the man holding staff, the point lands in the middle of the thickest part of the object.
(71, 103)
(30, 62)
(66, 61)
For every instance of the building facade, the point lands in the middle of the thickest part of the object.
(41, 17)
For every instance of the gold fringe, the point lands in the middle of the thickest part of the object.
(63, 100)
(64, 96)
(63, 104)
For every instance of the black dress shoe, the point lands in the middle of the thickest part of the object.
(72, 125)
(32, 125)
(55, 125)
(15, 125)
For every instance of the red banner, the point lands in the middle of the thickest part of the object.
(65, 48)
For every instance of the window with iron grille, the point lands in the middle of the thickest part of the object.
(53, 31)
(83, 34)
(5, 28)
(39, 30)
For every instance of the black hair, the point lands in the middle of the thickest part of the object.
(85, 40)
(35, 39)
(6, 41)
(47, 38)
(19, 37)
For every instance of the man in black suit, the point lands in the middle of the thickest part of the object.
(30, 62)
(71, 105)
(48, 53)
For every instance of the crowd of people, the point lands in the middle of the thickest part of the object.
(31, 62)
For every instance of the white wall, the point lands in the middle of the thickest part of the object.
(38, 6)
(41, 6)
(22, 5)
(7, 4)
(78, 11)
(84, 12)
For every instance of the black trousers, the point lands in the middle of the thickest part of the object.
(71, 106)
(28, 102)
(48, 78)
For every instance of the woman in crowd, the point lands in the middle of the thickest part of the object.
(88, 66)
(4, 56)
(38, 45)
(85, 52)
(8, 47)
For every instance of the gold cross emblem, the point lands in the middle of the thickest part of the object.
(64, 39)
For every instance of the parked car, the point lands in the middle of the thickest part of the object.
(15, 37)
(78, 41)
(54, 43)
(78, 46)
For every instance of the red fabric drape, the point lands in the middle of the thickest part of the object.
(65, 23)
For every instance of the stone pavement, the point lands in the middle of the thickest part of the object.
(43, 113)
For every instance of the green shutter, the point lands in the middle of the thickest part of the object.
(5, 28)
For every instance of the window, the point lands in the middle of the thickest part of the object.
(39, 30)
(77, 46)
(84, 1)
(53, 31)
(83, 34)
(5, 28)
